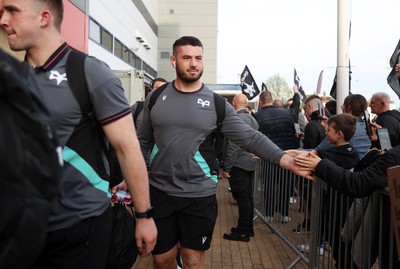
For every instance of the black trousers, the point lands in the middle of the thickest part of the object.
(241, 182)
(84, 245)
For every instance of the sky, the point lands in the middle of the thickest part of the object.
(275, 36)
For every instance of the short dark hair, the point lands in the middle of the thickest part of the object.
(331, 107)
(157, 79)
(266, 97)
(57, 8)
(345, 123)
(187, 40)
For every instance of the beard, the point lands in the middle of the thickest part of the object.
(182, 75)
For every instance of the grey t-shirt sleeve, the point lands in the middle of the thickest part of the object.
(253, 141)
(106, 92)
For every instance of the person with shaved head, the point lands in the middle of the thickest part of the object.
(239, 166)
(387, 118)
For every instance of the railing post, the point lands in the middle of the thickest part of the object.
(315, 222)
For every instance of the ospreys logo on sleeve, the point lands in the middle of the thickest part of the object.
(203, 103)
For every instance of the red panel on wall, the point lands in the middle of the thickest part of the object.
(75, 27)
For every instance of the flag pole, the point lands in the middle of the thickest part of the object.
(343, 40)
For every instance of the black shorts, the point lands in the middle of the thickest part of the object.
(189, 221)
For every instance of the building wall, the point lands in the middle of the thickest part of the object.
(125, 22)
(197, 18)
(74, 28)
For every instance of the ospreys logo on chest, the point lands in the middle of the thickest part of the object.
(55, 75)
(203, 103)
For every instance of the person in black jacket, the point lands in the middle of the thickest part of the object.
(277, 124)
(387, 118)
(314, 134)
(239, 167)
(360, 184)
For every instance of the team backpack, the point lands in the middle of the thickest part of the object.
(30, 165)
(122, 250)
(77, 81)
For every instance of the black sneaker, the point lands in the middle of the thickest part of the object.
(234, 230)
(236, 237)
(303, 228)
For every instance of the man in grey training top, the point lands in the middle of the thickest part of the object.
(183, 166)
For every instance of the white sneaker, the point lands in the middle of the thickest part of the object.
(305, 248)
(269, 218)
(285, 219)
(292, 200)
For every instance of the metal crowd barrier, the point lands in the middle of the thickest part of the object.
(342, 232)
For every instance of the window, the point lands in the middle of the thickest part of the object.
(117, 48)
(94, 31)
(164, 55)
(81, 4)
(138, 63)
(101, 36)
(132, 58)
(107, 40)
(125, 54)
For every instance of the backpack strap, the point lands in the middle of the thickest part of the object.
(220, 109)
(154, 96)
(219, 137)
(138, 109)
(75, 69)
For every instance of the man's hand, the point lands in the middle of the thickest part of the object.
(288, 162)
(120, 186)
(295, 152)
(146, 236)
(374, 133)
(295, 88)
(324, 122)
(308, 163)
(226, 174)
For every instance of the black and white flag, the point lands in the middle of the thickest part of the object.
(334, 85)
(333, 89)
(393, 79)
(248, 85)
(303, 96)
(264, 87)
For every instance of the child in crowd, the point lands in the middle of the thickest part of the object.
(339, 130)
